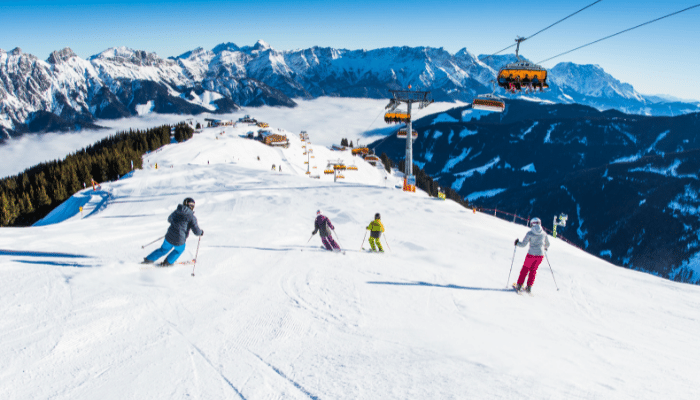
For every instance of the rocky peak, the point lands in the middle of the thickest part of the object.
(261, 45)
(16, 51)
(60, 56)
(225, 47)
(124, 54)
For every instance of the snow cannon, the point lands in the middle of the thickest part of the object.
(562, 222)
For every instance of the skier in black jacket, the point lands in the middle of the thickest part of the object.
(182, 220)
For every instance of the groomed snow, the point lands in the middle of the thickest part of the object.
(272, 316)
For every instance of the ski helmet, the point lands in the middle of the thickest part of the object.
(377, 216)
(318, 212)
(189, 202)
(535, 221)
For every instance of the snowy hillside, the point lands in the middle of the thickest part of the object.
(628, 183)
(269, 315)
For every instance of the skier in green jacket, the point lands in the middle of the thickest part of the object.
(376, 228)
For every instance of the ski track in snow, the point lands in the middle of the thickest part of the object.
(270, 316)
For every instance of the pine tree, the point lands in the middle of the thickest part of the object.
(42, 199)
(8, 210)
(59, 192)
(27, 206)
(73, 184)
(386, 161)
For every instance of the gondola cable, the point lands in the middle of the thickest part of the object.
(618, 33)
(540, 31)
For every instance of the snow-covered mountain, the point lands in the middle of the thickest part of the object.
(270, 315)
(68, 92)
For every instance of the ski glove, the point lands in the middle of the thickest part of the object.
(517, 241)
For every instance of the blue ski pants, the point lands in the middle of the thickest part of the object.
(164, 249)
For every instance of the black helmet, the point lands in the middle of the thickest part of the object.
(189, 202)
(377, 216)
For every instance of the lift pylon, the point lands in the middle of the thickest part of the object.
(408, 97)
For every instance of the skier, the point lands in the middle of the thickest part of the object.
(376, 228)
(322, 225)
(182, 220)
(539, 243)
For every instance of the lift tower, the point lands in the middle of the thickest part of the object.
(423, 99)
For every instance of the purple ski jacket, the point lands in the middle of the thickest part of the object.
(322, 225)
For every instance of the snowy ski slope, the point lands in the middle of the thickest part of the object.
(270, 316)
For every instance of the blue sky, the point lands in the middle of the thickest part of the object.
(661, 58)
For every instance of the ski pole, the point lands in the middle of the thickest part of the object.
(196, 255)
(550, 268)
(511, 264)
(363, 241)
(312, 235)
(144, 246)
(387, 242)
(337, 237)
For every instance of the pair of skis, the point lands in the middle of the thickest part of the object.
(160, 265)
(521, 290)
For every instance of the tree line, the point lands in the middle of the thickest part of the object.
(344, 142)
(32, 194)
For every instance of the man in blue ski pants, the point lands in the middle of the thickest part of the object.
(182, 220)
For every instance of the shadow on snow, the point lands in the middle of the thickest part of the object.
(441, 286)
(59, 264)
(17, 253)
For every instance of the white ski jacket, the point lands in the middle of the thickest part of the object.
(537, 239)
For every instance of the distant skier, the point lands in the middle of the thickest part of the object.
(182, 220)
(539, 243)
(324, 226)
(376, 228)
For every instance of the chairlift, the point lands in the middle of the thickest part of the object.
(522, 74)
(489, 101)
(402, 134)
(396, 117)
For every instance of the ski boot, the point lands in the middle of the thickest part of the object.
(528, 289)
(165, 263)
(517, 287)
(146, 261)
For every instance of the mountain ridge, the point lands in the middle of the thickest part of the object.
(107, 84)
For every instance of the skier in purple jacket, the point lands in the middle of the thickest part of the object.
(324, 226)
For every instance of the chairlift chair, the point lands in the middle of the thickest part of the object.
(515, 76)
